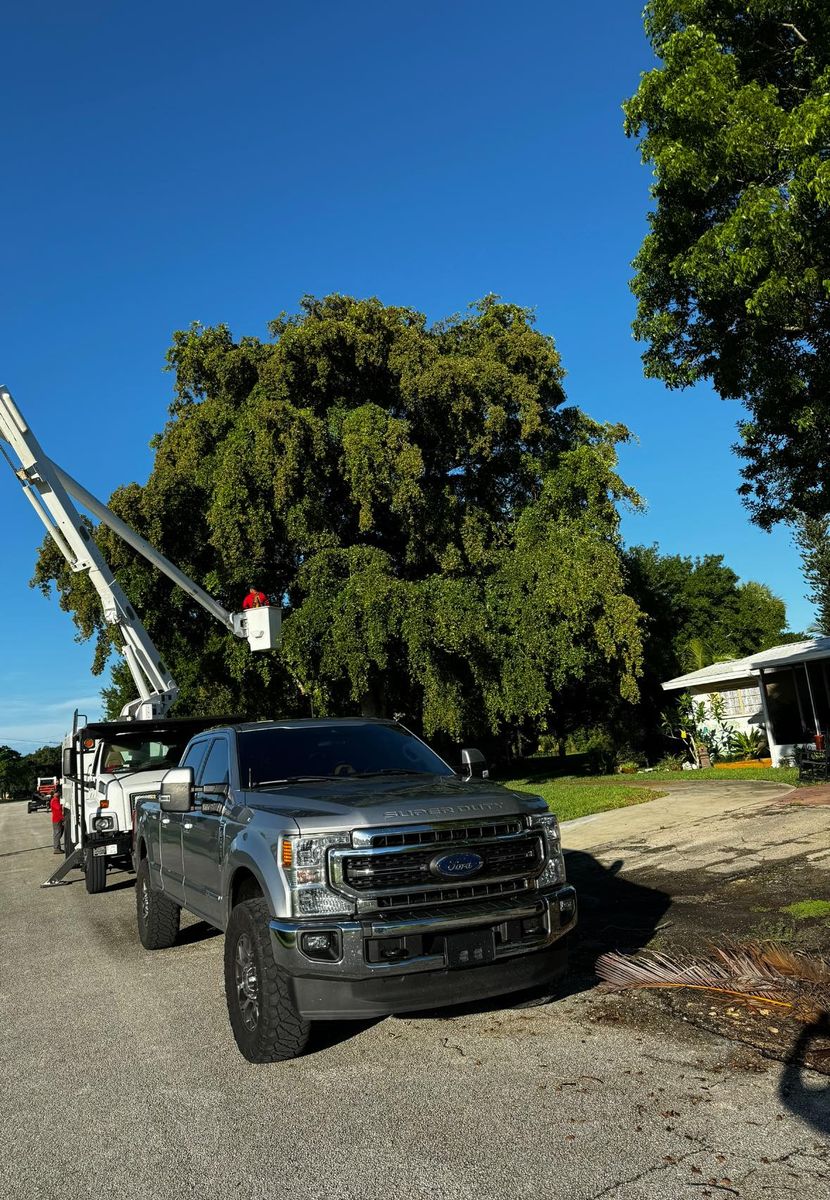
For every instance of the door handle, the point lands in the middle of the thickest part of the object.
(187, 824)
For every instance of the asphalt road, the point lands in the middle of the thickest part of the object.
(119, 1075)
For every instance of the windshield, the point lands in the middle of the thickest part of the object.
(141, 754)
(333, 751)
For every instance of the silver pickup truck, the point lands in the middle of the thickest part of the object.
(355, 874)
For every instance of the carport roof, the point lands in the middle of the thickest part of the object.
(741, 668)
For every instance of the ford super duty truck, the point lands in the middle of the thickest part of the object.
(354, 873)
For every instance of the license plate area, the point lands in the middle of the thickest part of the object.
(470, 949)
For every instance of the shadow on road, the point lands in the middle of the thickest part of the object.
(325, 1034)
(810, 1104)
(28, 850)
(615, 913)
(199, 931)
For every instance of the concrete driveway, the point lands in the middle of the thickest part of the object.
(716, 828)
(119, 1074)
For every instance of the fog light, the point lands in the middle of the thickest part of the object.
(323, 946)
(567, 909)
(533, 925)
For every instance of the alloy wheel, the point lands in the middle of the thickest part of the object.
(247, 982)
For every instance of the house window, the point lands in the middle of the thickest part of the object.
(741, 702)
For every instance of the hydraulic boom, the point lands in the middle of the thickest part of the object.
(50, 491)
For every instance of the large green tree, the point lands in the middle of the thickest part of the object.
(813, 541)
(733, 278)
(440, 525)
(696, 612)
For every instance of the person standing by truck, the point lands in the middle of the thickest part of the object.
(57, 822)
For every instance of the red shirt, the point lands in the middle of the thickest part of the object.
(255, 600)
(57, 811)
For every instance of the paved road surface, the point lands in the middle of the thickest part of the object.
(119, 1076)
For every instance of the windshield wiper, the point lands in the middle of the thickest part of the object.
(388, 771)
(293, 779)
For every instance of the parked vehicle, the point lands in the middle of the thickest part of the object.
(39, 802)
(108, 765)
(354, 873)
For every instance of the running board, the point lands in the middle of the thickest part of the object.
(76, 859)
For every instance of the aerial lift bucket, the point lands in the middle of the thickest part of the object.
(260, 626)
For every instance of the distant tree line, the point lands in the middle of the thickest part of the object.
(19, 772)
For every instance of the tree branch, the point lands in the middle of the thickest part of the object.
(796, 31)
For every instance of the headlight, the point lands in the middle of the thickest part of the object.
(303, 860)
(554, 871)
(104, 824)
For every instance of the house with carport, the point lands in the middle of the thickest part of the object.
(785, 691)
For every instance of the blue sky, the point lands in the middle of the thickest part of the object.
(179, 162)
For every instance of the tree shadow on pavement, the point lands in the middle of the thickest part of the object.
(615, 913)
(809, 1103)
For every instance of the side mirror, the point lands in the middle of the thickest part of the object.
(68, 761)
(473, 765)
(177, 790)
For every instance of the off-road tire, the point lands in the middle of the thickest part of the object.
(275, 1030)
(95, 871)
(158, 917)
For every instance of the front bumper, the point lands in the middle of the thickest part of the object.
(110, 843)
(355, 987)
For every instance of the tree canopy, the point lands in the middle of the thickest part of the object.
(440, 526)
(698, 611)
(733, 278)
(813, 540)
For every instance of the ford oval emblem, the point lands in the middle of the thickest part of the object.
(456, 866)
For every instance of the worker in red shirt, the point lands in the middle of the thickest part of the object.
(255, 599)
(57, 822)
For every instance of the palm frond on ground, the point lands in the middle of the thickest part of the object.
(757, 973)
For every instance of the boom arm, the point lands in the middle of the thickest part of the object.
(48, 489)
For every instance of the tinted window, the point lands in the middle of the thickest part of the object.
(343, 750)
(194, 756)
(216, 768)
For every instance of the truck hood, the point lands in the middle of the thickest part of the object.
(127, 783)
(359, 804)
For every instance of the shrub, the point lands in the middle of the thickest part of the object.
(750, 745)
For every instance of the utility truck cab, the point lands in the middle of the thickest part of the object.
(107, 766)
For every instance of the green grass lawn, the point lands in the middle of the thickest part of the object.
(788, 775)
(570, 798)
(579, 796)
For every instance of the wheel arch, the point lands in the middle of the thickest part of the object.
(246, 883)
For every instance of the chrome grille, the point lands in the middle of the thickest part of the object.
(390, 869)
(446, 835)
(369, 872)
(445, 895)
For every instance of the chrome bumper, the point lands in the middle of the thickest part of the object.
(557, 909)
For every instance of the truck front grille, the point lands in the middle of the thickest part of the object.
(446, 835)
(445, 895)
(394, 869)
